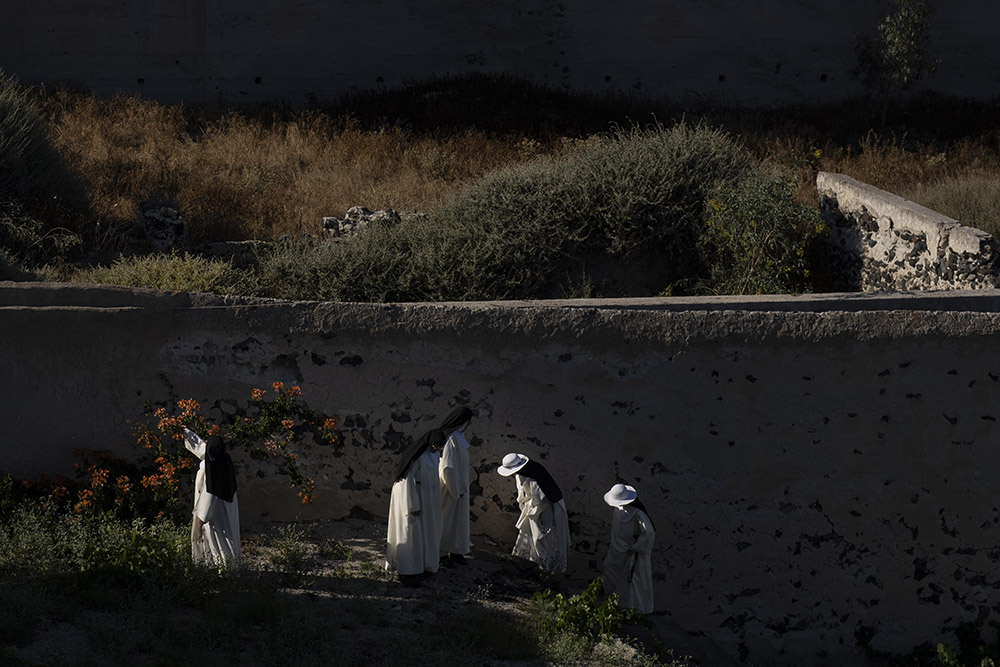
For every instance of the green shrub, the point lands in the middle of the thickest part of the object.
(188, 273)
(588, 614)
(617, 214)
(757, 239)
(290, 545)
(42, 540)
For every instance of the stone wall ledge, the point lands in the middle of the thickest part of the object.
(895, 212)
(80, 295)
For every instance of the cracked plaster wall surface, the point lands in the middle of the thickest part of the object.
(820, 472)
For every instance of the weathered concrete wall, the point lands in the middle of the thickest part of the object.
(744, 51)
(879, 241)
(821, 470)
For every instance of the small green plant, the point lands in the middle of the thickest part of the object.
(332, 549)
(291, 552)
(588, 614)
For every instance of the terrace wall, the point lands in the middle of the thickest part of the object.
(821, 470)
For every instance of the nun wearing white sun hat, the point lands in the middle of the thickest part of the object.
(627, 568)
(543, 526)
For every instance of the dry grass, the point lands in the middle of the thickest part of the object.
(258, 176)
(265, 171)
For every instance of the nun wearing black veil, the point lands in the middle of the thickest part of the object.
(414, 532)
(215, 522)
(543, 527)
(627, 569)
(454, 473)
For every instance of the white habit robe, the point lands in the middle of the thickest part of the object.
(412, 541)
(627, 568)
(454, 473)
(543, 526)
(220, 529)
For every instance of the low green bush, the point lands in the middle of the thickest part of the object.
(184, 272)
(42, 540)
(620, 214)
(589, 628)
(757, 238)
(589, 614)
(291, 552)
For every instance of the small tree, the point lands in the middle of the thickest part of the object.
(891, 61)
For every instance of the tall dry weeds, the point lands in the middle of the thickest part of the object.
(262, 172)
(247, 176)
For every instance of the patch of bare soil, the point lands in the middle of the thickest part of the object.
(348, 610)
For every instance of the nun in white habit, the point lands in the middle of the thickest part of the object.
(414, 532)
(454, 473)
(215, 521)
(627, 568)
(543, 526)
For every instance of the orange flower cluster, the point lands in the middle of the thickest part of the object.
(85, 497)
(145, 437)
(123, 484)
(165, 475)
(98, 477)
(255, 431)
(189, 407)
(328, 430)
(306, 494)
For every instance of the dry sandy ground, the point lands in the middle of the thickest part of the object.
(372, 612)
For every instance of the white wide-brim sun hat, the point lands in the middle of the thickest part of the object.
(511, 464)
(620, 494)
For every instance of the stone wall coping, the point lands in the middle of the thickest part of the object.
(605, 325)
(80, 295)
(887, 208)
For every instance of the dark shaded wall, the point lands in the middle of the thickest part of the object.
(725, 50)
(821, 471)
